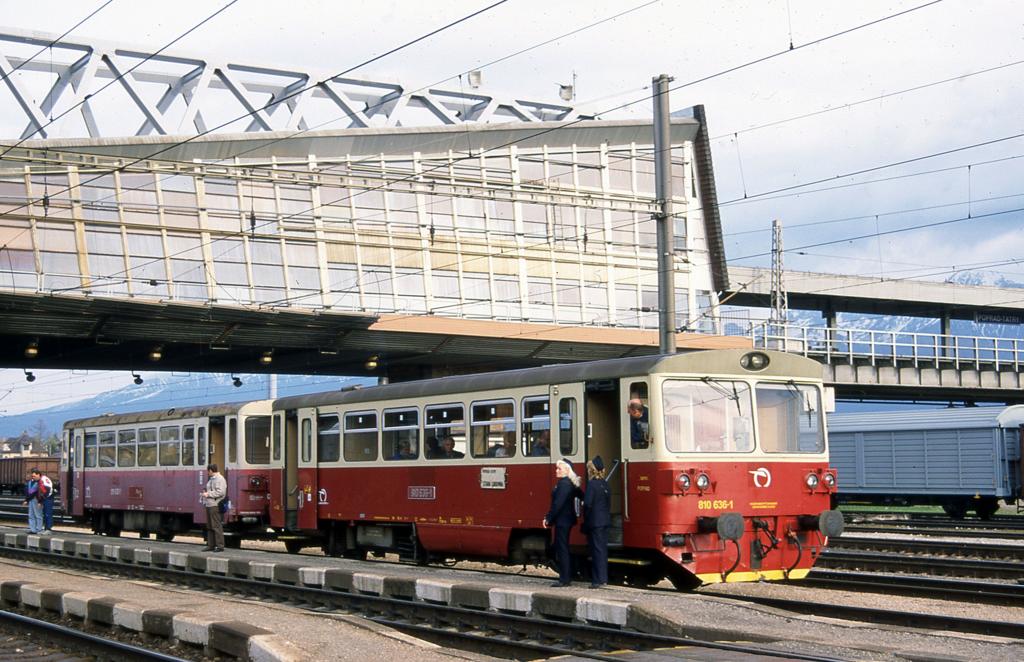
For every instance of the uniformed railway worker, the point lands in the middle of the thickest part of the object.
(597, 517)
(562, 516)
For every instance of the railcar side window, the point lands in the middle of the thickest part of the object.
(188, 445)
(328, 446)
(202, 447)
(277, 437)
(789, 418)
(170, 446)
(233, 440)
(78, 451)
(147, 447)
(257, 439)
(567, 426)
(445, 432)
(708, 416)
(400, 437)
(126, 448)
(307, 439)
(90, 449)
(493, 429)
(360, 441)
(108, 450)
(536, 426)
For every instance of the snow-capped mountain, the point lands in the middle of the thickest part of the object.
(166, 391)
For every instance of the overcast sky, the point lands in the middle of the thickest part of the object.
(862, 78)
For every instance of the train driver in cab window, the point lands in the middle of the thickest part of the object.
(639, 427)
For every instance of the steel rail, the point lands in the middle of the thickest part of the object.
(965, 590)
(973, 550)
(887, 617)
(64, 637)
(911, 529)
(928, 565)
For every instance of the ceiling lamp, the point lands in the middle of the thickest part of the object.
(29, 377)
(236, 381)
(138, 378)
(372, 362)
(266, 358)
(32, 349)
(156, 353)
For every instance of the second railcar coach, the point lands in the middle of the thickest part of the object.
(144, 471)
(722, 474)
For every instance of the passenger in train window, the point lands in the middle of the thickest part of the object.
(448, 451)
(507, 448)
(403, 452)
(562, 516)
(639, 427)
(433, 450)
(541, 445)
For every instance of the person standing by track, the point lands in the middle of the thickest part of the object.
(35, 507)
(216, 491)
(44, 494)
(597, 518)
(562, 516)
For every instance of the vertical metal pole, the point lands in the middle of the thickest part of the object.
(272, 386)
(663, 191)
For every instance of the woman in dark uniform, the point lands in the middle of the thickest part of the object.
(597, 517)
(562, 516)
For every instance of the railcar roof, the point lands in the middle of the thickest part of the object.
(155, 415)
(928, 419)
(723, 361)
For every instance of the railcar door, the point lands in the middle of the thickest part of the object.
(68, 479)
(303, 491)
(570, 432)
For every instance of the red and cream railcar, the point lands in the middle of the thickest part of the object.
(144, 471)
(724, 478)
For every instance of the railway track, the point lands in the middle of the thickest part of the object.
(516, 636)
(911, 529)
(930, 547)
(27, 638)
(964, 590)
(926, 565)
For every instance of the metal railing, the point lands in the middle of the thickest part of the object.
(836, 344)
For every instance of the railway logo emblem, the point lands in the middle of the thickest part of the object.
(762, 477)
(321, 495)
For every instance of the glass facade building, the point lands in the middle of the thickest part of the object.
(546, 222)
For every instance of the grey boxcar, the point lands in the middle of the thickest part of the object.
(961, 459)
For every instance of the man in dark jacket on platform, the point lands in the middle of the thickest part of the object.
(597, 517)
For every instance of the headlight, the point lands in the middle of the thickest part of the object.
(754, 361)
(703, 482)
(683, 482)
(812, 480)
(830, 480)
